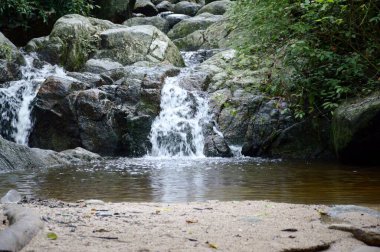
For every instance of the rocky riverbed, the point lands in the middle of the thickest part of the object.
(202, 226)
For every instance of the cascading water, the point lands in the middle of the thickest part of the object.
(178, 130)
(16, 99)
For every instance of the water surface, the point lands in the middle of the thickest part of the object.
(182, 180)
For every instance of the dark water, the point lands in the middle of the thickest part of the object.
(182, 180)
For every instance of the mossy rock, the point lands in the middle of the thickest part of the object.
(356, 130)
(190, 25)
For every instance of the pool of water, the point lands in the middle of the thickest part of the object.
(182, 180)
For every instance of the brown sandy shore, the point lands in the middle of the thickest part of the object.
(205, 226)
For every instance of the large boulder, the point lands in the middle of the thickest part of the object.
(100, 65)
(110, 116)
(355, 130)
(187, 8)
(174, 19)
(76, 39)
(114, 10)
(187, 26)
(262, 125)
(165, 6)
(145, 7)
(71, 42)
(10, 60)
(14, 156)
(217, 35)
(159, 22)
(216, 146)
(216, 8)
(144, 43)
(55, 121)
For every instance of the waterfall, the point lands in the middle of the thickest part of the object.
(178, 130)
(16, 99)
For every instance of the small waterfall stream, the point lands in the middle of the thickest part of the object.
(178, 130)
(16, 99)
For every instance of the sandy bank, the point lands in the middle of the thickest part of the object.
(207, 226)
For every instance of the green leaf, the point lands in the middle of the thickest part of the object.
(52, 236)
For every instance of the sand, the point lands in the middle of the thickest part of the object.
(198, 226)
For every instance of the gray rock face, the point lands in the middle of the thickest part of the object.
(112, 118)
(165, 6)
(159, 22)
(71, 41)
(216, 146)
(145, 43)
(187, 26)
(263, 126)
(14, 156)
(216, 8)
(187, 8)
(10, 60)
(9, 71)
(355, 130)
(217, 35)
(173, 19)
(76, 39)
(100, 65)
(145, 7)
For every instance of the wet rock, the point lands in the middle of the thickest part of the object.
(263, 126)
(81, 155)
(187, 8)
(54, 114)
(187, 26)
(165, 6)
(355, 130)
(9, 71)
(14, 156)
(195, 81)
(173, 19)
(145, 7)
(12, 196)
(216, 146)
(91, 79)
(10, 60)
(100, 65)
(159, 22)
(216, 7)
(113, 118)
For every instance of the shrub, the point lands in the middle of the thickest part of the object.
(322, 51)
(25, 15)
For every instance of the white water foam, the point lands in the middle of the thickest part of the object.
(16, 99)
(178, 130)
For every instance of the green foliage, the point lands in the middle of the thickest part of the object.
(21, 13)
(321, 52)
(6, 52)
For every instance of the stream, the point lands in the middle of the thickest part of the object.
(176, 170)
(199, 179)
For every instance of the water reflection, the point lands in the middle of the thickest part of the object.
(182, 180)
